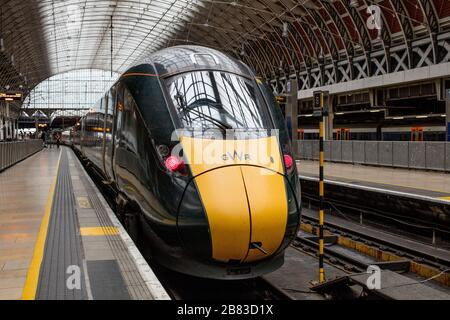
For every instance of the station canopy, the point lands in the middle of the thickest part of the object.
(43, 38)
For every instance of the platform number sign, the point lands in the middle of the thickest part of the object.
(10, 96)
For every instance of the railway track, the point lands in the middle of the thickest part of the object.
(184, 287)
(354, 247)
(384, 241)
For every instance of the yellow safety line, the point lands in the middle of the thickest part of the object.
(31, 283)
(445, 198)
(99, 231)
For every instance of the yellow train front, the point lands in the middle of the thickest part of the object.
(198, 154)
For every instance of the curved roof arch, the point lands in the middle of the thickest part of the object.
(275, 37)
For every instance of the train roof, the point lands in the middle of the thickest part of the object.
(187, 58)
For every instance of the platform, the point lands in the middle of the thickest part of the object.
(60, 240)
(426, 185)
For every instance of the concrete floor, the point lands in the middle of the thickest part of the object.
(416, 179)
(24, 190)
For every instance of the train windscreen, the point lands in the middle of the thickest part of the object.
(218, 100)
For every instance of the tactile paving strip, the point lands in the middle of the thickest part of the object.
(63, 247)
(136, 286)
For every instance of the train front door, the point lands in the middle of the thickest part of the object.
(342, 134)
(417, 134)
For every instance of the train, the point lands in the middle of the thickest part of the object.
(224, 214)
(66, 137)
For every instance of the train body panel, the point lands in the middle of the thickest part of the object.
(242, 188)
(228, 219)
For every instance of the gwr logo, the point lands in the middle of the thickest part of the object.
(236, 155)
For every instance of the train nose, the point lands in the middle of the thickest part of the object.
(246, 209)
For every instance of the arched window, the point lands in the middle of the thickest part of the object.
(78, 89)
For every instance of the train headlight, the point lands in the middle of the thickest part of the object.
(288, 162)
(175, 165)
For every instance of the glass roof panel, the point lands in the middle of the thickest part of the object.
(78, 33)
(78, 89)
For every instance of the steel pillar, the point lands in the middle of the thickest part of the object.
(292, 112)
(329, 119)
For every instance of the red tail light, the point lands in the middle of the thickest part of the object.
(288, 162)
(174, 164)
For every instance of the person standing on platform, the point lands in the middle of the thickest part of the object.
(43, 139)
(49, 139)
(58, 140)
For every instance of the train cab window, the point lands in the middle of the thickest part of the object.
(212, 99)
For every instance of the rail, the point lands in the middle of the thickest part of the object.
(16, 151)
(396, 154)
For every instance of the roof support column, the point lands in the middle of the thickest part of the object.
(329, 119)
(292, 112)
(2, 128)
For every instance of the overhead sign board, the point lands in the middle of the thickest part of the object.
(11, 96)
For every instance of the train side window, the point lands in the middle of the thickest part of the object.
(129, 120)
(111, 109)
(119, 112)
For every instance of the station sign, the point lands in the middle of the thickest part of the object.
(11, 96)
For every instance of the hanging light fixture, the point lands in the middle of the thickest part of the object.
(285, 29)
(2, 42)
(321, 56)
(354, 3)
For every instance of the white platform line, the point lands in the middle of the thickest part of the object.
(380, 190)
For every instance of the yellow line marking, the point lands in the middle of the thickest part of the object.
(445, 198)
(99, 231)
(31, 283)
